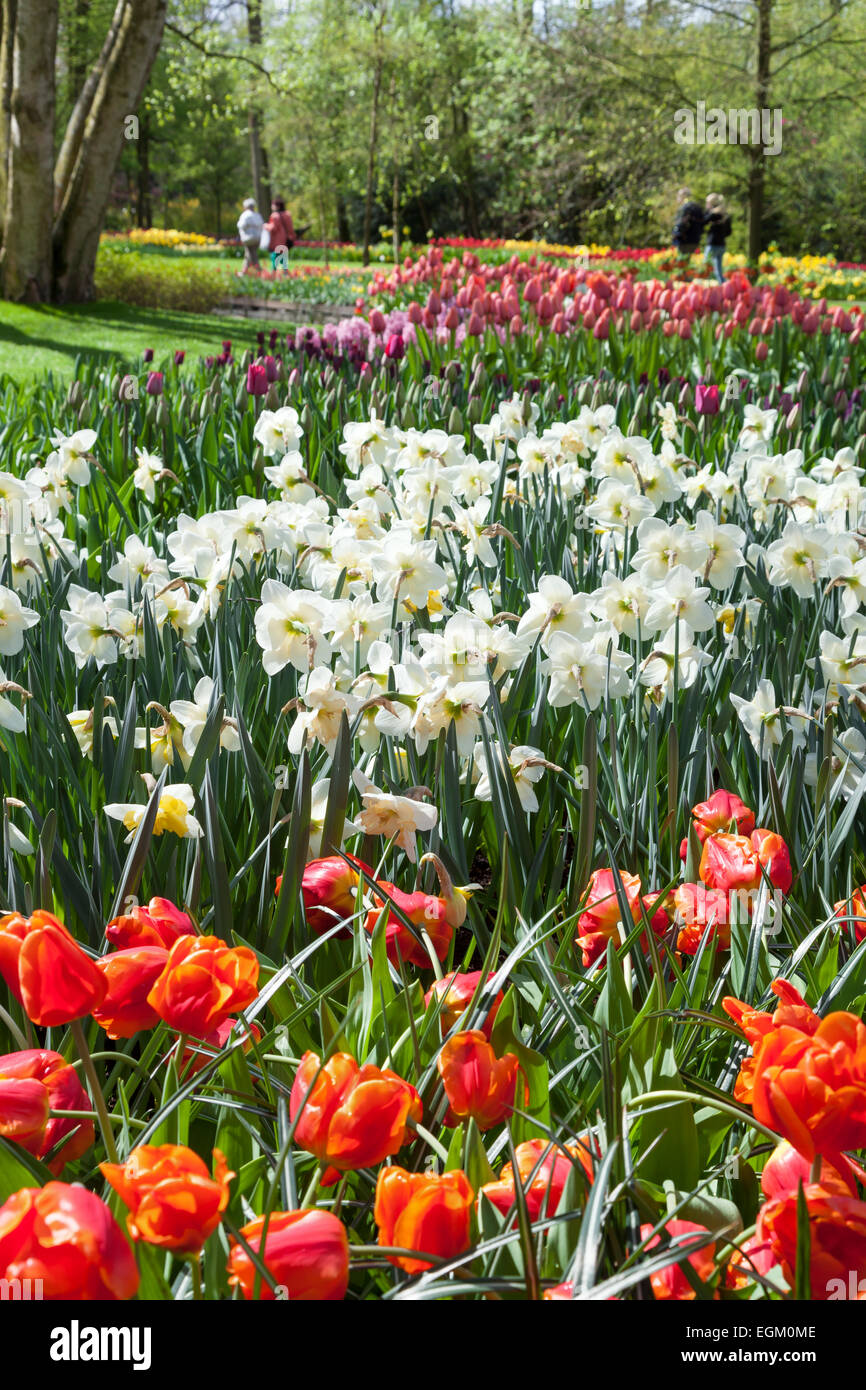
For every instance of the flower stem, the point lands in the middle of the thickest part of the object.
(195, 1271)
(96, 1090)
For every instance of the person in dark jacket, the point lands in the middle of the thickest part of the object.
(689, 224)
(717, 224)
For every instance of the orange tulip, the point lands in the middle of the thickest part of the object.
(793, 1012)
(774, 858)
(670, 1282)
(454, 994)
(32, 1083)
(560, 1293)
(160, 923)
(854, 908)
(68, 1238)
(173, 1201)
(204, 981)
(735, 862)
(130, 976)
(812, 1089)
(479, 1085)
(837, 1239)
(423, 1211)
(353, 1116)
(700, 908)
(543, 1169)
(599, 922)
(424, 911)
(718, 812)
(47, 970)
(306, 1252)
(730, 862)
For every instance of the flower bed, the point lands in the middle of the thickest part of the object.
(433, 807)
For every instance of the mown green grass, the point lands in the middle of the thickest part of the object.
(48, 339)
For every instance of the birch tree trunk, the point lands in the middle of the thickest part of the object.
(88, 186)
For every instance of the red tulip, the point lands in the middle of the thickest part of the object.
(670, 1282)
(66, 1237)
(330, 891)
(837, 1239)
(306, 1253)
(543, 1169)
(47, 970)
(718, 812)
(32, 1083)
(130, 976)
(426, 912)
(454, 992)
(479, 1085)
(854, 909)
(599, 921)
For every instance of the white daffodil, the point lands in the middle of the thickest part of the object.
(174, 813)
(192, 715)
(15, 619)
(673, 661)
(397, 817)
(148, 468)
(318, 809)
(758, 426)
(290, 627)
(278, 431)
(766, 721)
(526, 765)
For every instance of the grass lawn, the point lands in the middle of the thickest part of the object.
(44, 338)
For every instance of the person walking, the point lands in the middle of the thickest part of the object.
(250, 225)
(281, 230)
(688, 225)
(717, 224)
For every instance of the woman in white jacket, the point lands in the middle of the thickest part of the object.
(250, 225)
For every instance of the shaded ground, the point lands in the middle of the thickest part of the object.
(44, 338)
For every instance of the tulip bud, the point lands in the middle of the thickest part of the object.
(455, 421)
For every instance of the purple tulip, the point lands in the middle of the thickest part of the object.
(155, 383)
(394, 346)
(271, 369)
(257, 379)
(147, 355)
(179, 356)
(707, 399)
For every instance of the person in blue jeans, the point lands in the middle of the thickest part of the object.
(717, 225)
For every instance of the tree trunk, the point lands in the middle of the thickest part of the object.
(258, 164)
(77, 50)
(118, 93)
(7, 43)
(371, 157)
(25, 262)
(258, 154)
(395, 213)
(344, 231)
(77, 121)
(756, 152)
(143, 206)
